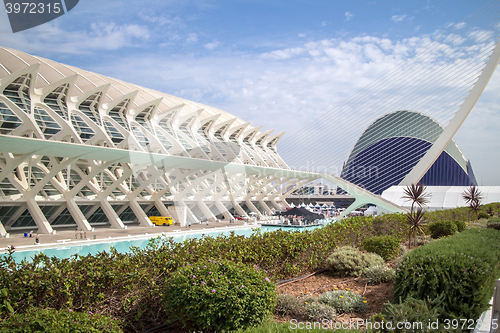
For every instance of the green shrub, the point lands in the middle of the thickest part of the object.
(317, 311)
(379, 273)
(483, 215)
(349, 261)
(463, 268)
(344, 301)
(61, 321)
(130, 285)
(461, 226)
(213, 295)
(411, 311)
(288, 305)
(442, 228)
(494, 225)
(385, 246)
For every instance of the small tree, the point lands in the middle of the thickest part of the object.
(416, 194)
(473, 197)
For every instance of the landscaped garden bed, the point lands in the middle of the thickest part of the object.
(134, 287)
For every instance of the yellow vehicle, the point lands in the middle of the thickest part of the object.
(161, 220)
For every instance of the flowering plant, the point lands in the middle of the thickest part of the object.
(220, 295)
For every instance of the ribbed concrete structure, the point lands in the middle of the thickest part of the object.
(45, 100)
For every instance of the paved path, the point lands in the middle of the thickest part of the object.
(67, 236)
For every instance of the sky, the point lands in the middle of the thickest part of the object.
(278, 63)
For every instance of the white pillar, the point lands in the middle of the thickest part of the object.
(265, 207)
(238, 208)
(77, 214)
(111, 214)
(38, 216)
(139, 213)
(161, 208)
(252, 207)
(208, 213)
(224, 211)
(179, 213)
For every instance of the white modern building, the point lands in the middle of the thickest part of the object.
(79, 148)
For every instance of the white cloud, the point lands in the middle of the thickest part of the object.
(398, 18)
(301, 35)
(480, 35)
(192, 38)
(348, 16)
(211, 46)
(283, 54)
(51, 39)
(162, 20)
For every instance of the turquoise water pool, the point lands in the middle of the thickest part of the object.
(123, 246)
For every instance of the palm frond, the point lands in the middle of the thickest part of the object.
(472, 194)
(416, 194)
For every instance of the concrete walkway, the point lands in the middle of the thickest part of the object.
(105, 234)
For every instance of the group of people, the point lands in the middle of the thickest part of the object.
(82, 234)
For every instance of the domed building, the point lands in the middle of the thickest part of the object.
(393, 144)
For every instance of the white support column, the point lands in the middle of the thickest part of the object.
(77, 214)
(37, 215)
(139, 213)
(224, 211)
(237, 207)
(286, 204)
(208, 213)
(164, 211)
(252, 207)
(275, 204)
(3, 232)
(265, 207)
(112, 216)
(179, 213)
(191, 217)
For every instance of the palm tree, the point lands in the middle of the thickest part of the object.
(416, 221)
(473, 197)
(416, 194)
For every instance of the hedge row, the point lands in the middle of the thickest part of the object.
(131, 286)
(461, 269)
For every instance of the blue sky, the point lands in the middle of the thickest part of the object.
(263, 61)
